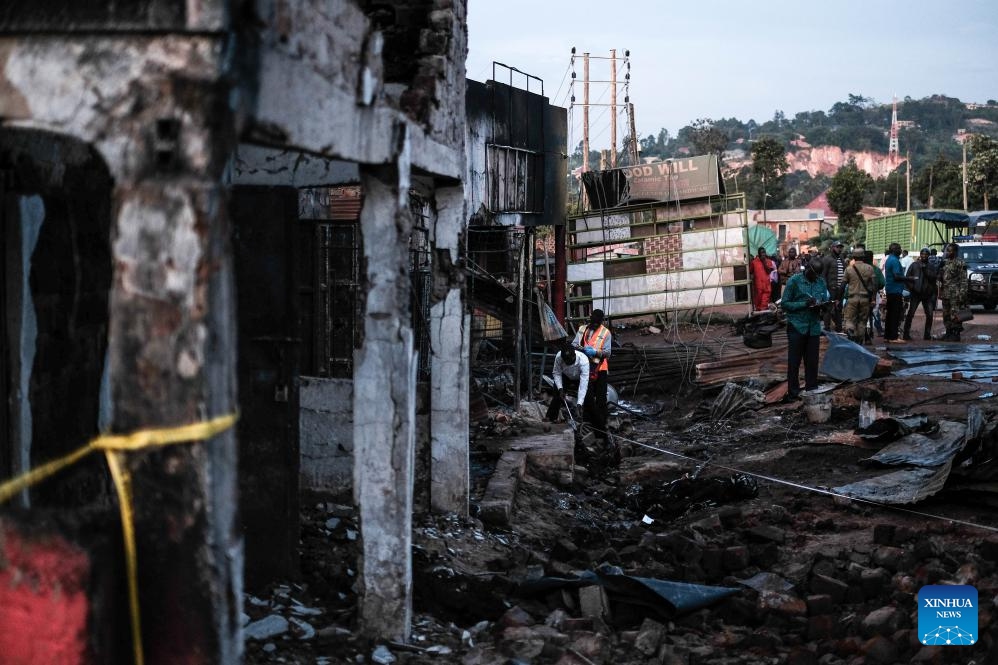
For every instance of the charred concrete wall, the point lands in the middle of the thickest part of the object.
(499, 114)
(327, 435)
(162, 92)
(152, 97)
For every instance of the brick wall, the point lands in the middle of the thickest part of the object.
(664, 253)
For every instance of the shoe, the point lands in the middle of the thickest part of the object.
(896, 341)
(789, 399)
(907, 338)
(927, 337)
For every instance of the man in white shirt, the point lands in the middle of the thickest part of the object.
(574, 366)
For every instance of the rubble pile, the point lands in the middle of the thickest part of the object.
(582, 570)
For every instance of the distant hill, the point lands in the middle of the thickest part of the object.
(929, 128)
(818, 143)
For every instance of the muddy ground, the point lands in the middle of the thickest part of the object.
(815, 578)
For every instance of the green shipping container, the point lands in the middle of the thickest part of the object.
(907, 230)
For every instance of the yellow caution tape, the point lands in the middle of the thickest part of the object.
(114, 447)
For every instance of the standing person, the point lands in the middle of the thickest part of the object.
(788, 267)
(777, 286)
(861, 289)
(833, 268)
(922, 274)
(906, 260)
(953, 290)
(574, 366)
(594, 340)
(761, 267)
(801, 302)
(876, 321)
(895, 279)
(936, 260)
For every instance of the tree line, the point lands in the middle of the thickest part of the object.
(856, 124)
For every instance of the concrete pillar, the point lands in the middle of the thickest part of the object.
(172, 362)
(450, 337)
(384, 407)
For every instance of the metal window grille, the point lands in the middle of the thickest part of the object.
(421, 275)
(515, 179)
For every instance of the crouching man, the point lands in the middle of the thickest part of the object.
(573, 366)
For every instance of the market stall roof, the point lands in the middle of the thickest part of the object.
(958, 218)
(952, 218)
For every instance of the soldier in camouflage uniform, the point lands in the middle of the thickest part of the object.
(953, 291)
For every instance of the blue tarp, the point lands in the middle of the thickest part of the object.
(847, 361)
(665, 596)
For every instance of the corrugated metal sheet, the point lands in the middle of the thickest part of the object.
(909, 485)
(905, 229)
(341, 204)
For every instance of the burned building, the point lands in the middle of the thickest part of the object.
(516, 184)
(658, 238)
(195, 196)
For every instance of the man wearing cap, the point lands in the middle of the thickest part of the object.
(861, 290)
(594, 341)
(923, 274)
(833, 268)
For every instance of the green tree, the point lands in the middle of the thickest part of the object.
(845, 196)
(888, 191)
(982, 170)
(939, 184)
(769, 164)
(707, 139)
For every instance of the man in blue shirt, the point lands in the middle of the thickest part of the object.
(803, 299)
(894, 285)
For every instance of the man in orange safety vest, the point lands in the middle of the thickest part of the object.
(594, 340)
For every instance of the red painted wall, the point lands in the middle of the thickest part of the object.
(43, 599)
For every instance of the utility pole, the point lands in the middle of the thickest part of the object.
(907, 180)
(635, 158)
(585, 112)
(613, 108)
(765, 195)
(964, 144)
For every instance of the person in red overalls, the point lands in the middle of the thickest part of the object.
(594, 340)
(761, 268)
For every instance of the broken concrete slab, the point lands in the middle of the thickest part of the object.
(496, 505)
(266, 628)
(594, 603)
(549, 456)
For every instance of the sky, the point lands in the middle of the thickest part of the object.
(737, 58)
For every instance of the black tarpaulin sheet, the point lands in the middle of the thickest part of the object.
(972, 360)
(664, 596)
